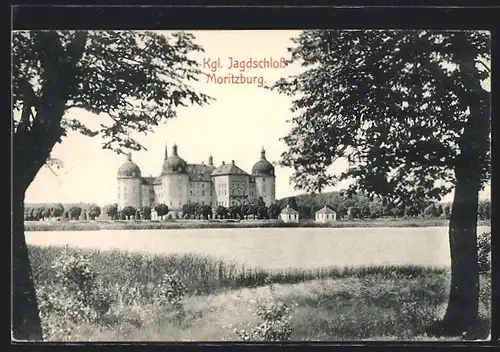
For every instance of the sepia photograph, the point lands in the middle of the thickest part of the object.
(251, 185)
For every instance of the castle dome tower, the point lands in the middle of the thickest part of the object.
(129, 184)
(175, 180)
(263, 167)
(174, 163)
(265, 179)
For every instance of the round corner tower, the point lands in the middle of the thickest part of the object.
(265, 179)
(175, 181)
(129, 184)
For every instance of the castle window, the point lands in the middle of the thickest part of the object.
(203, 193)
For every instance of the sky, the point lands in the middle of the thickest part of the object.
(242, 119)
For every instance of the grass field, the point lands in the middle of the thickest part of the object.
(181, 224)
(221, 298)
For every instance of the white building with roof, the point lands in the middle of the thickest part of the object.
(289, 214)
(325, 214)
(181, 183)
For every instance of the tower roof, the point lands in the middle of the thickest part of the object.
(263, 167)
(174, 163)
(129, 168)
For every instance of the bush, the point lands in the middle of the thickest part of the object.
(170, 291)
(484, 253)
(274, 326)
(73, 298)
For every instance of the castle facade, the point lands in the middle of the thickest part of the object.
(182, 183)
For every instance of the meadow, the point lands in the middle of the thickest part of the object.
(97, 295)
(88, 225)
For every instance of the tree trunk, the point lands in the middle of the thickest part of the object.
(462, 310)
(25, 318)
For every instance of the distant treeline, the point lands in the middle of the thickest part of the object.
(361, 207)
(356, 207)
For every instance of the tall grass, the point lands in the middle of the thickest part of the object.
(221, 298)
(202, 274)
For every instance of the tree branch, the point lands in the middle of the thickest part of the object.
(484, 65)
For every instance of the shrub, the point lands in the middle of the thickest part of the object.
(274, 326)
(72, 299)
(484, 253)
(170, 291)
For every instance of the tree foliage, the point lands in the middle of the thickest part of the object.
(75, 212)
(94, 211)
(131, 81)
(409, 111)
(112, 210)
(135, 78)
(161, 209)
(395, 104)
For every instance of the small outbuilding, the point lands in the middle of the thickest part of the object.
(325, 214)
(289, 214)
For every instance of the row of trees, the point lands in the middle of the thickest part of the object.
(362, 207)
(58, 212)
(355, 208)
(257, 210)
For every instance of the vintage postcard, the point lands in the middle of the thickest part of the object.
(258, 185)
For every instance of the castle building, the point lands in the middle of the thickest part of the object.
(181, 183)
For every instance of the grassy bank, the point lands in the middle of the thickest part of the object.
(221, 298)
(158, 225)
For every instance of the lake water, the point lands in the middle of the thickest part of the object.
(275, 247)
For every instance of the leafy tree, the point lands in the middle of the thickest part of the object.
(262, 212)
(221, 211)
(253, 210)
(446, 211)
(274, 210)
(66, 215)
(376, 210)
(354, 213)
(245, 209)
(132, 80)
(146, 211)
(189, 209)
(75, 212)
(94, 211)
(439, 210)
(37, 213)
(292, 202)
(46, 213)
(112, 211)
(430, 211)
(57, 211)
(28, 213)
(137, 214)
(128, 211)
(161, 209)
(407, 109)
(235, 211)
(305, 212)
(484, 210)
(206, 211)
